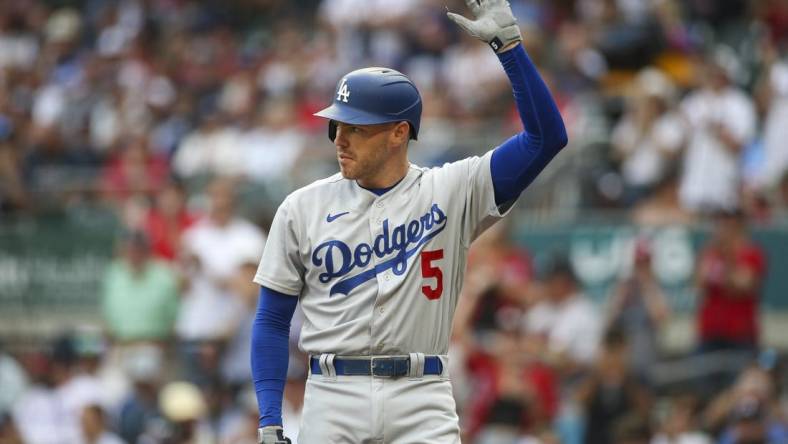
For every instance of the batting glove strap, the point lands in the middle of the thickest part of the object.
(495, 23)
(272, 435)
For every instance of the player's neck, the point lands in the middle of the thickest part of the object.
(387, 177)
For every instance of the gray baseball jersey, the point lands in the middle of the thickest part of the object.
(379, 275)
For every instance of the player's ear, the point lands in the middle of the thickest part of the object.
(401, 132)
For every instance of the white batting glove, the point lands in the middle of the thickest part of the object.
(272, 435)
(495, 23)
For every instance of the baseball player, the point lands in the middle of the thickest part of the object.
(376, 255)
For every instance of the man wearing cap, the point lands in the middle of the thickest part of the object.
(375, 255)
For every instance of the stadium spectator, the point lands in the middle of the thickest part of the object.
(753, 392)
(721, 119)
(663, 207)
(497, 284)
(166, 221)
(13, 381)
(478, 64)
(214, 249)
(774, 14)
(774, 94)
(272, 147)
(731, 272)
(139, 411)
(611, 391)
(91, 382)
(680, 423)
(582, 66)
(48, 412)
(221, 241)
(94, 427)
(211, 149)
(625, 32)
(639, 308)
(184, 407)
(139, 294)
(515, 393)
(750, 423)
(648, 138)
(566, 323)
(19, 43)
(725, 18)
(133, 171)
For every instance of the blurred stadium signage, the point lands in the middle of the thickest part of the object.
(601, 255)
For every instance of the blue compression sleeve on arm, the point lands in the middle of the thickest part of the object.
(270, 334)
(517, 162)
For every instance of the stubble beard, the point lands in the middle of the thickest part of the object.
(365, 168)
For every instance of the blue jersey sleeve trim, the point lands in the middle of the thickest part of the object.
(270, 334)
(517, 162)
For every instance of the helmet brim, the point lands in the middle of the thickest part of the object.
(346, 114)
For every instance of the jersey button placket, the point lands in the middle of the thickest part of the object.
(376, 219)
(379, 206)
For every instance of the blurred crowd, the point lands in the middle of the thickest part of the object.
(190, 120)
(536, 360)
(674, 108)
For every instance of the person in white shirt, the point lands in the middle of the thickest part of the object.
(721, 121)
(214, 249)
(212, 148)
(774, 162)
(567, 320)
(650, 134)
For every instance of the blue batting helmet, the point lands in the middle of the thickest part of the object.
(374, 95)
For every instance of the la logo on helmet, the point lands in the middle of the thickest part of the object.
(343, 93)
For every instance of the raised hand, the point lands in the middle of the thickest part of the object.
(495, 23)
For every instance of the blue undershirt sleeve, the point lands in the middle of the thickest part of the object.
(270, 334)
(517, 162)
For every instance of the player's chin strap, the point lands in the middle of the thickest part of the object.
(495, 23)
(272, 435)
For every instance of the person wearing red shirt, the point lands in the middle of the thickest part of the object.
(515, 393)
(167, 220)
(134, 170)
(731, 272)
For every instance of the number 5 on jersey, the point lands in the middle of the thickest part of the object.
(430, 270)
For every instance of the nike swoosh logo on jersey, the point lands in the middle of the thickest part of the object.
(331, 218)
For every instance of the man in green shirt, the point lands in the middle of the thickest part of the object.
(140, 294)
